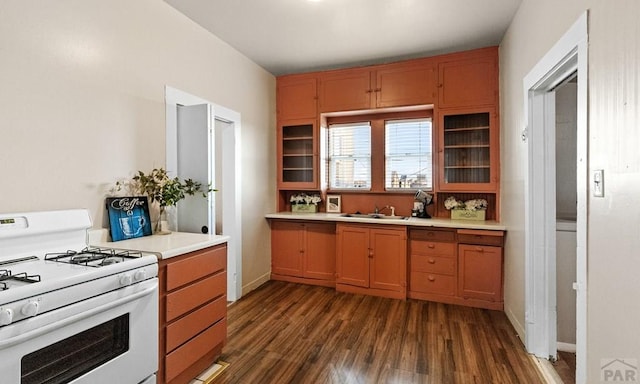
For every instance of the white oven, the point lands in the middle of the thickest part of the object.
(76, 322)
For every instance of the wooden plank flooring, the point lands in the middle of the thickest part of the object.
(293, 333)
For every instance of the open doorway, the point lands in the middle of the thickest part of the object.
(565, 61)
(217, 139)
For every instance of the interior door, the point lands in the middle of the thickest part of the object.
(195, 152)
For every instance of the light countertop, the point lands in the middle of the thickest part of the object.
(163, 246)
(411, 221)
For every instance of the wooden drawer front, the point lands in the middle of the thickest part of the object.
(466, 236)
(196, 267)
(433, 264)
(180, 359)
(432, 283)
(431, 248)
(195, 322)
(192, 296)
(432, 235)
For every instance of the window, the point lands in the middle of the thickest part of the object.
(349, 156)
(408, 154)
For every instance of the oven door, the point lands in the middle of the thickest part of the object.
(111, 338)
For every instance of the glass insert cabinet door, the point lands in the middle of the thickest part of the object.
(468, 151)
(298, 155)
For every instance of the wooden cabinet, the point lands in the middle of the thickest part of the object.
(468, 79)
(432, 263)
(193, 313)
(468, 150)
(298, 154)
(461, 266)
(371, 260)
(303, 252)
(393, 85)
(296, 97)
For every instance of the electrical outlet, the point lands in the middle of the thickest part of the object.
(598, 183)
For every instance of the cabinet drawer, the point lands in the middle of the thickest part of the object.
(432, 235)
(467, 236)
(433, 264)
(196, 267)
(432, 283)
(180, 359)
(432, 248)
(192, 296)
(195, 322)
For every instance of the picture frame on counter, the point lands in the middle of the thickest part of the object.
(334, 204)
(129, 217)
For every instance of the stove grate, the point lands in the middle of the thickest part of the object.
(93, 256)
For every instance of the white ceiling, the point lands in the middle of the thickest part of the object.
(293, 36)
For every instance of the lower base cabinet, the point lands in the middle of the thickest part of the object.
(193, 313)
(371, 260)
(461, 266)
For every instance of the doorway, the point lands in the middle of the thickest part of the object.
(567, 58)
(216, 141)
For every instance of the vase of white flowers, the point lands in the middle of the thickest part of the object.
(304, 203)
(474, 209)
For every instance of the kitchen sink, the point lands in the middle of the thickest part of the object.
(373, 216)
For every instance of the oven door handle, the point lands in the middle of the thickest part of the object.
(72, 319)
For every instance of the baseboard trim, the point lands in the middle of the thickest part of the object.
(515, 323)
(256, 283)
(547, 371)
(566, 347)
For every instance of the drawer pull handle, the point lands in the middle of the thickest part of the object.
(479, 249)
(431, 246)
(431, 261)
(431, 278)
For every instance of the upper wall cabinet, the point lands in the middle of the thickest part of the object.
(298, 154)
(393, 85)
(297, 97)
(469, 79)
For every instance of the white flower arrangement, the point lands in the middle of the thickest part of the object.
(469, 205)
(303, 198)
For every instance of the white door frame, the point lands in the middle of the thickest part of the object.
(568, 55)
(232, 208)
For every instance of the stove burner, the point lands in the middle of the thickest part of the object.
(6, 275)
(93, 257)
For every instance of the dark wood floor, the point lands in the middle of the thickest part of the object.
(291, 333)
(565, 366)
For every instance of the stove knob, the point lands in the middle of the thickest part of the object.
(125, 279)
(140, 275)
(6, 316)
(30, 309)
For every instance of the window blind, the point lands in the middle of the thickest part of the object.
(408, 154)
(349, 156)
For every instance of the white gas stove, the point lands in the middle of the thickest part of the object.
(70, 313)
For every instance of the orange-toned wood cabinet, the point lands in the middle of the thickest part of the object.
(468, 79)
(371, 260)
(433, 265)
(193, 313)
(298, 159)
(303, 252)
(392, 85)
(468, 150)
(296, 97)
(480, 266)
(456, 266)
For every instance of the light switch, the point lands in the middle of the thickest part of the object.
(598, 183)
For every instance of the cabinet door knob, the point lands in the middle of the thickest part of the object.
(479, 249)
(431, 261)
(431, 246)
(431, 278)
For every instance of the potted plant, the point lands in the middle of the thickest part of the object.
(163, 190)
(304, 203)
(473, 209)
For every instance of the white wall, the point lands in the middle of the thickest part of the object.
(82, 105)
(614, 139)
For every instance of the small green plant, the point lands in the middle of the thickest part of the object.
(161, 188)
